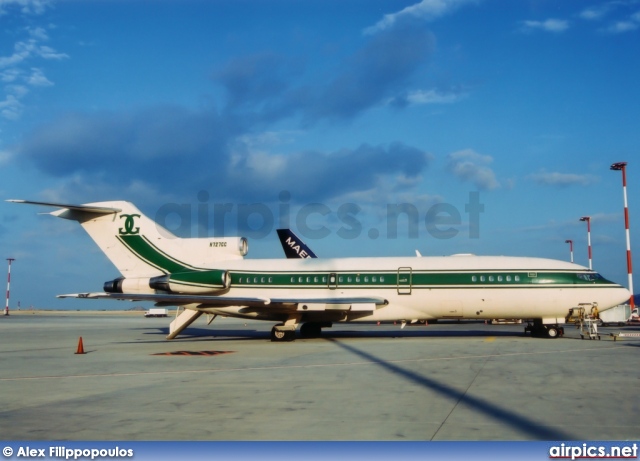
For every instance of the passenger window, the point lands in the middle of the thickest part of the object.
(374, 279)
(382, 278)
(366, 280)
(517, 278)
(499, 278)
(474, 278)
(508, 278)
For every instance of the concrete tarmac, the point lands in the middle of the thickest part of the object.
(466, 381)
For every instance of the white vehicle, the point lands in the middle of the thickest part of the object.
(617, 315)
(634, 318)
(210, 276)
(156, 312)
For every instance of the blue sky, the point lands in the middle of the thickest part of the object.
(359, 107)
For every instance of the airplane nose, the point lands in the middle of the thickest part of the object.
(623, 296)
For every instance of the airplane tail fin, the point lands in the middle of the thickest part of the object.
(138, 246)
(293, 246)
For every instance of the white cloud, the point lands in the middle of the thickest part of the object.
(471, 166)
(37, 78)
(434, 97)
(595, 13)
(25, 6)
(562, 179)
(621, 27)
(10, 75)
(19, 91)
(550, 25)
(11, 108)
(426, 10)
(628, 23)
(18, 67)
(46, 52)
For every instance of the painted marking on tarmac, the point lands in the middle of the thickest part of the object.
(195, 353)
(297, 367)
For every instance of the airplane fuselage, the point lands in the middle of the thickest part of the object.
(452, 287)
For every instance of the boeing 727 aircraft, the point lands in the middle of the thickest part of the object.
(211, 276)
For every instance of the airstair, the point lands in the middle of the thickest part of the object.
(586, 318)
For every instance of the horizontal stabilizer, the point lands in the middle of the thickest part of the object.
(84, 208)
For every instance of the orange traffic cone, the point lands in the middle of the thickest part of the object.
(80, 346)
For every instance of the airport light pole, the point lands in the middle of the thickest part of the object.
(588, 219)
(570, 242)
(622, 166)
(6, 307)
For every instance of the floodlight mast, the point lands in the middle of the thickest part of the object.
(6, 307)
(570, 242)
(588, 220)
(622, 166)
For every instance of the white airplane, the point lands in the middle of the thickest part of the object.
(210, 276)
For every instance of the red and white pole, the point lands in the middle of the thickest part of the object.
(622, 166)
(588, 219)
(570, 242)
(6, 307)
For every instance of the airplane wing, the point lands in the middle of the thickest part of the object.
(293, 304)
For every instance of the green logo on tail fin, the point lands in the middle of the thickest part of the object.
(128, 225)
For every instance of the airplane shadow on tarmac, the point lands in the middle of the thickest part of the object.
(509, 418)
(213, 334)
(527, 427)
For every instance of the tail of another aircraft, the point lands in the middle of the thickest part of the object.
(293, 246)
(138, 246)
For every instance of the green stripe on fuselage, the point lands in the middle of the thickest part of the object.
(150, 254)
(419, 279)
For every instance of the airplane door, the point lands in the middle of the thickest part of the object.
(333, 281)
(404, 280)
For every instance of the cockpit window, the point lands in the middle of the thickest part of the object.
(592, 277)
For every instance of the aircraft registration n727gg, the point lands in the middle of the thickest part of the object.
(210, 276)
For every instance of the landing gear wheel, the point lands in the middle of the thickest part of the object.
(282, 335)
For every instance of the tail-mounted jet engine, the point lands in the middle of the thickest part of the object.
(192, 282)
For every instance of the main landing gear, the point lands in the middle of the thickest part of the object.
(283, 332)
(540, 330)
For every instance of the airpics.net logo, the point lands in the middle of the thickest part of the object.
(591, 451)
(314, 221)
